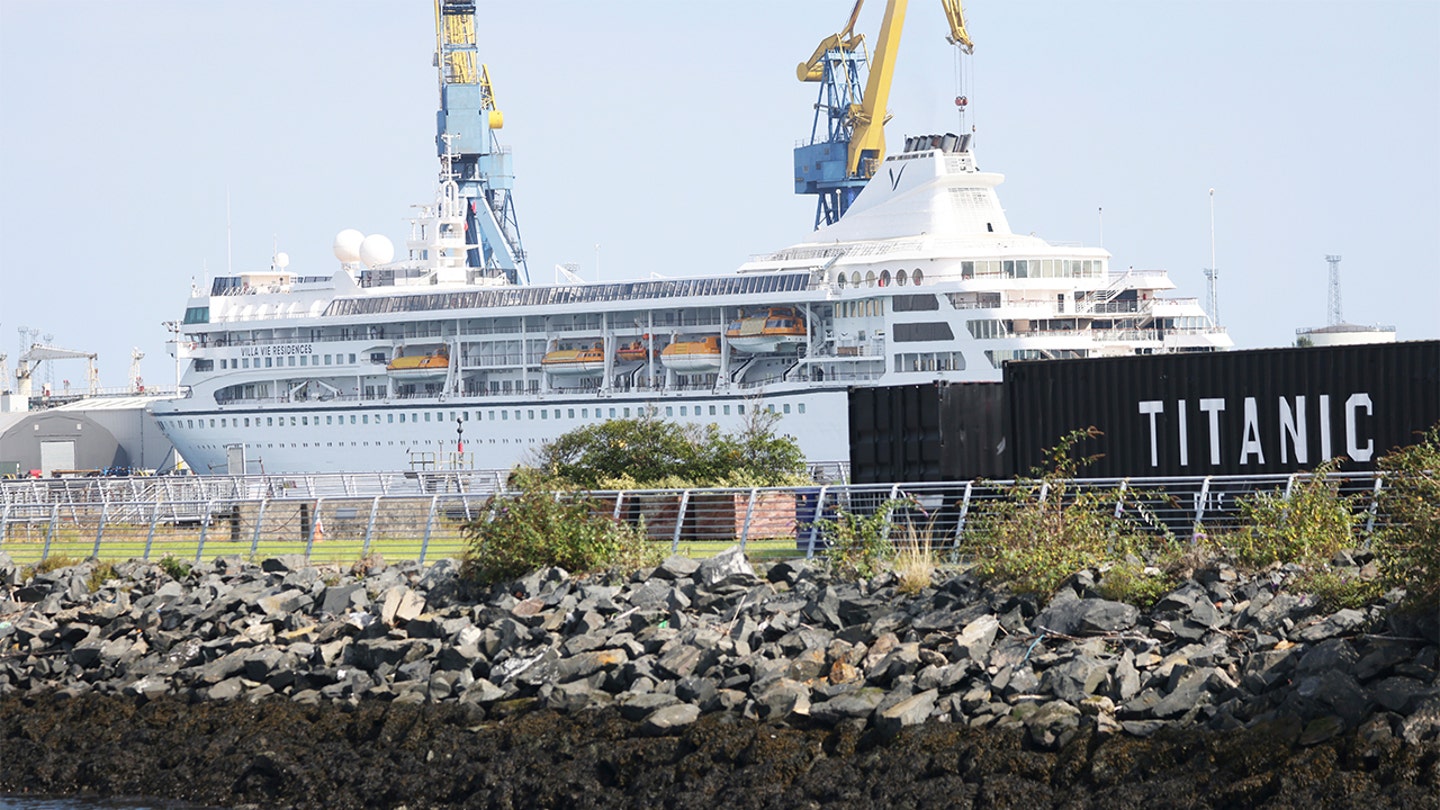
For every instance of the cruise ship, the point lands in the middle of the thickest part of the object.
(427, 360)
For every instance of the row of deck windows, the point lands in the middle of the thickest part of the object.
(491, 415)
(271, 362)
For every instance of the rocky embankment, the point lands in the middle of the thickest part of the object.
(282, 683)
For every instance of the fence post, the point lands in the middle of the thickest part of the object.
(429, 526)
(259, 524)
(1374, 507)
(315, 529)
(4, 522)
(964, 513)
(815, 521)
(749, 514)
(50, 530)
(370, 526)
(150, 535)
(204, 527)
(100, 529)
(679, 522)
(619, 499)
(1196, 532)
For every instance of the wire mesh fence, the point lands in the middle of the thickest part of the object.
(329, 518)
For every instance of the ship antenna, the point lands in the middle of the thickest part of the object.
(1212, 273)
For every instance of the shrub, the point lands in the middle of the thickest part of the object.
(102, 572)
(1306, 526)
(1409, 545)
(1334, 589)
(1045, 528)
(914, 561)
(650, 453)
(54, 563)
(859, 544)
(174, 567)
(544, 525)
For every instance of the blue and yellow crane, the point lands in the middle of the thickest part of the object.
(847, 139)
(465, 132)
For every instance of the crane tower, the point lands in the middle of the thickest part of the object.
(465, 136)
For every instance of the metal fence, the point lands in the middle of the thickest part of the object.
(422, 515)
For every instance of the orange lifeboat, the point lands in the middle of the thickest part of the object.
(692, 355)
(773, 330)
(431, 365)
(590, 360)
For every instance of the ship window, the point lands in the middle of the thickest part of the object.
(245, 363)
(269, 421)
(402, 418)
(352, 357)
(770, 408)
(869, 278)
(669, 411)
(884, 278)
(223, 364)
(584, 413)
(303, 359)
(741, 409)
(542, 413)
(212, 423)
(304, 420)
(268, 362)
(682, 411)
(427, 416)
(801, 408)
(570, 413)
(712, 410)
(916, 277)
(505, 416)
(329, 420)
(352, 418)
(900, 278)
(530, 415)
(727, 410)
(840, 281)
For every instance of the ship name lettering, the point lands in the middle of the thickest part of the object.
(1284, 430)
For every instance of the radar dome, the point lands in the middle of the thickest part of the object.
(347, 245)
(282, 260)
(376, 249)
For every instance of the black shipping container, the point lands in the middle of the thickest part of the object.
(934, 432)
(1227, 413)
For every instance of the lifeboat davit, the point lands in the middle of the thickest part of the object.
(431, 365)
(776, 329)
(692, 355)
(575, 361)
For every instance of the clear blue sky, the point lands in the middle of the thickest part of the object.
(662, 132)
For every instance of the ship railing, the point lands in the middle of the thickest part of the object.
(424, 515)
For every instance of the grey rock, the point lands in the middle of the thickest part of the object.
(676, 567)
(1398, 693)
(1423, 722)
(1050, 725)
(340, 599)
(911, 711)
(1339, 623)
(1188, 692)
(730, 563)
(1335, 653)
(1075, 679)
(1087, 617)
(285, 602)
(975, 640)
(483, 692)
(859, 704)
(284, 563)
(668, 719)
(1337, 690)
(781, 698)
(1382, 659)
(640, 706)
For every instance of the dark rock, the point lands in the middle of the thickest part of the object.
(910, 711)
(1399, 694)
(728, 564)
(1087, 617)
(668, 719)
(1339, 623)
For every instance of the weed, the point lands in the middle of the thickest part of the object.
(1307, 524)
(54, 563)
(859, 544)
(914, 562)
(541, 526)
(1409, 546)
(99, 575)
(174, 567)
(1335, 589)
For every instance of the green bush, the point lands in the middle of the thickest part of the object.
(545, 525)
(1045, 528)
(859, 544)
(650, 453)
(1408, 546)
(174, 567)
(1306, 526)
